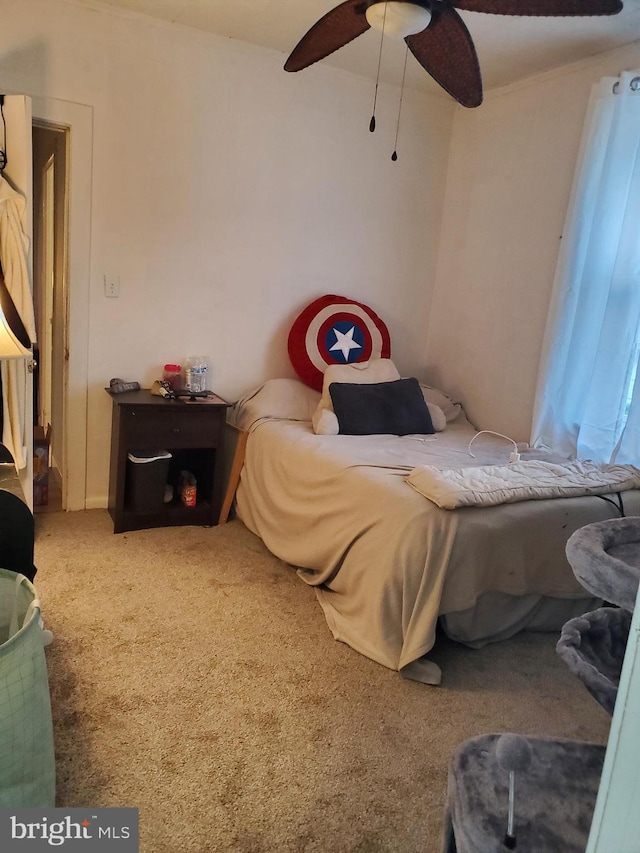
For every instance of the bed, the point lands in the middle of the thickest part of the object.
(333, 482)
(387, 564)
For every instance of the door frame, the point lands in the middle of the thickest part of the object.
(78, 118)
(50, 288)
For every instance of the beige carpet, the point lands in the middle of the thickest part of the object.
(193, 677)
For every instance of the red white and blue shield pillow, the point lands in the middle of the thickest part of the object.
(335, 330)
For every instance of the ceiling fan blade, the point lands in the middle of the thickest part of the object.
(446, 51)
(551, 8)
(337, 28)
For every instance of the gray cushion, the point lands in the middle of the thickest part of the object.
(593, 648)
(554, 798)
(605, 558)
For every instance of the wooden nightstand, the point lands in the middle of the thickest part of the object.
(192, 431)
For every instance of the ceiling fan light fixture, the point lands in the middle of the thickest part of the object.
(434, 32)
(398, 18)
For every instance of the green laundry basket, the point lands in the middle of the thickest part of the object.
(27, 760)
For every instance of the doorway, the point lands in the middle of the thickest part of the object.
(50, 295)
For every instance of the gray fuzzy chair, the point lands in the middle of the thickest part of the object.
(605, 558)
(557, 781)
(555, 796)
(593, 648)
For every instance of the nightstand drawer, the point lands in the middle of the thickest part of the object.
(153, 428)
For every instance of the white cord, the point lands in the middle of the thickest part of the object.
(514, 456)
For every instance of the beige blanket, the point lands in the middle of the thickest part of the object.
(385, 562)
(489, 485)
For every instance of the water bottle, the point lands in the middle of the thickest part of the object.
(195, 375)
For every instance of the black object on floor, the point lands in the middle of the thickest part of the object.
(17, 534)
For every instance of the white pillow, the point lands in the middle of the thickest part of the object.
(324, 420)
(438, 418)
(282, 399)
(438, 398)
(363, 372)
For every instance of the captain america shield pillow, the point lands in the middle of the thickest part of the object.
(335, 330)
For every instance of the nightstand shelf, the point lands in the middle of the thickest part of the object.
(192, 431)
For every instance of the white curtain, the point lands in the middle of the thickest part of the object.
(588, 396)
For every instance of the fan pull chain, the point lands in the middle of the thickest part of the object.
(394, 156)
(372, 123)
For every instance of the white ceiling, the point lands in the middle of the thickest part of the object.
(509, 48)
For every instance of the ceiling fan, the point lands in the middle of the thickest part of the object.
(434, 32)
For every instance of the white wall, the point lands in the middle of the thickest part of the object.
(510, 172)
(227, 194)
